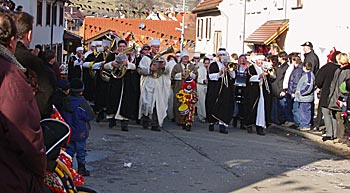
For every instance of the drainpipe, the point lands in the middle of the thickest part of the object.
(52, 8)
(227, 22)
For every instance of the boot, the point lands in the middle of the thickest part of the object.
(223, 129)
(249, 129)
(155, 128)
(100, 117)
(260, 130)
(211, 127)
(124, 125)
(112, 123)
(82, 170)
(183, 126)
(188, 128)
(234, 122)
(145, 122)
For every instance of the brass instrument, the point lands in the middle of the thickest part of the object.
(116, 72)
(168, 50)
(231, 67)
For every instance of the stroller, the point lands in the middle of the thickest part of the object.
(60, 177)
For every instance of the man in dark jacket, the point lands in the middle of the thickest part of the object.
(277, 86)
(323, 82)
(310, 56)
(24, 23)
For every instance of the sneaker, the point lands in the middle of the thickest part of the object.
(315, 128)
(287, 124)
(304, 129)
(211, 127)
(155, 128)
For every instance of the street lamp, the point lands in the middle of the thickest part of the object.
(183, 25)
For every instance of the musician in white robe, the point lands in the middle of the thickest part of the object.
(154, 85)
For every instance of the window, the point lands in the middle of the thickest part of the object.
(298, 5)
(217, 41)
(200, 29)
(54, 15)
(61, 15)
(48, 14)
(39, 13)
(208, 28)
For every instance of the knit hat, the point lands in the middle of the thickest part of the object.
(76, 85)
(63, 85)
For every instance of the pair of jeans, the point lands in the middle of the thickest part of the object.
(289, 108)
(282, 110)
(305, 114)
(78, 147)
(296, 112)
(274, 110)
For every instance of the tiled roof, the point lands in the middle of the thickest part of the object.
(164, 30)
(268, 32)
(73, 13)
(206, 5)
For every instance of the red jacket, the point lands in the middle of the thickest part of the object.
(22, 150)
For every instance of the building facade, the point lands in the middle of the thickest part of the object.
(235, 24)
(48, 26)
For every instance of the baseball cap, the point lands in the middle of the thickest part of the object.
(307, 44)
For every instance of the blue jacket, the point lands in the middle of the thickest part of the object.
(305, 88)
(78, 117)
(294, 78)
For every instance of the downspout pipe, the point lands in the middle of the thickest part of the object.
(52, 8)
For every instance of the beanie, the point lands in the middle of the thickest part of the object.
(76, 85)
(63, 85)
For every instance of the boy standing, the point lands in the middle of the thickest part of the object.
(304, 94)
(78, 117)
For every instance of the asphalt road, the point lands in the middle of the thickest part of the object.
(174, 160)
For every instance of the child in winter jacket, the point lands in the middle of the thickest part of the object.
(78, 116)
(304, 95)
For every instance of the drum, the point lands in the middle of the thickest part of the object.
(239, 94)
(183, 109)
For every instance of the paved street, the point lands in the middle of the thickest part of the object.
(174, 160)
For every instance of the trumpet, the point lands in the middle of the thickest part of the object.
(116, 72)
(168, 50)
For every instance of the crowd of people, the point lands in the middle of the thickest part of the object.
(123, 85)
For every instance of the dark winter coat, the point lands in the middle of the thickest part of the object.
(294, 79)
(22, 150)
(340, 75)
(29, 60)
(324, 78)
(277, 84)
(313, 59)
(78, 117)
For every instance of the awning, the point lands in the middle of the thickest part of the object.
(268, 32)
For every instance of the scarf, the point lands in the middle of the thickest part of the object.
(8, 56)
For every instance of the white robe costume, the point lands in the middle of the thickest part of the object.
(154, 91)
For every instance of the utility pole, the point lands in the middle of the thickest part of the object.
(183, 26)
(244, 23)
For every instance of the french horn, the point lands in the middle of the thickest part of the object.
(168, 50)
(116, 72)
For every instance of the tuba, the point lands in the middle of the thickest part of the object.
(116, 72)
(168, 50)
